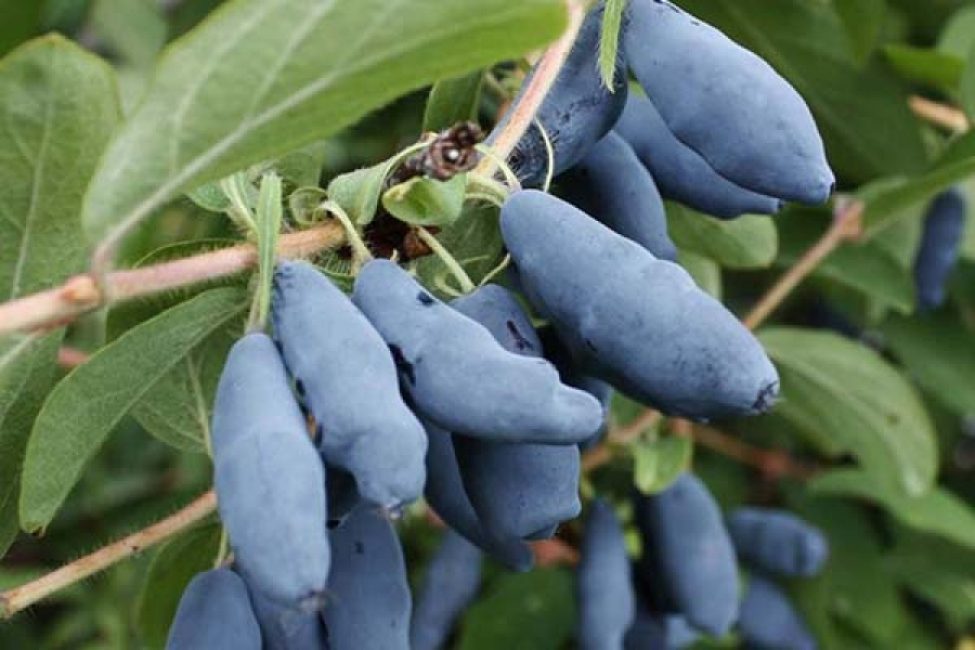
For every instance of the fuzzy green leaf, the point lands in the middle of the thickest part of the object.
(745, 243)
(659, 463)
(453, 100)
(86, 406)
(285, 73)
(609, 41)
(427, 202)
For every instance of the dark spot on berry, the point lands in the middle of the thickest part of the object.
(299, 388)
(520, 341)
(359, 548)
(425, 298)
(591, 345)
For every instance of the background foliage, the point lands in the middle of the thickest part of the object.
(880, 397)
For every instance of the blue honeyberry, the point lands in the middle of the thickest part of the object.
(347, 377)
(638, 322)
(689, 560)
(453, 578)
(215, 612)
(288, 628)
(369, 604)
(517, 489)
(680, 172)
(727, 104)
(269, 479)
(778, 542)
(604, 583)
(458, 376)
(577, 112)
(768, 620)
(611, 185)
(944, 228)
(446, 495)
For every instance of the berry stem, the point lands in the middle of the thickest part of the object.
(547, 70)
(466, 284)
(24, 596)
(80, 294)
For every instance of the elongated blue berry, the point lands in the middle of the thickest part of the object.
(944, 227)
(611, 185)
(517, 489)
(452, 581)
(369, 604)
(459, 377)
(269, 479)
(659, 632)
(576, 113)
(446, 495)
(604, 584)
(727, 104)
(680, 172)
(215, 612)
(768, 620)
(346, 375)
(777, 541)
(640, 323)
(288, 628)
(688, 556)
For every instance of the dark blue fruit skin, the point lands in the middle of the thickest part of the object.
(459, 377)
(640, 323)
(517, 489)
(604, 584)
(577, 112)
(769, 622)
(688, 555)
(659, 632)
(944, 228)
(680, 172)
(446, 495)
(368, 603)
(727, 104)
(347, 377)
(561, 358)
(452, 581)
(777, 542)
(288, 628)
(269, 479)
(611, 185)
(215, 612)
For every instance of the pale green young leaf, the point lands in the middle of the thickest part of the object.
(427, 202)
(609, 41)
(658, 463)
(847, 391)
(453, 100)
(705, 271)
(745, 243)
(85, 407)
(260, 78)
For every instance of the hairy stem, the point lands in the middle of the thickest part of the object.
(81, 294)
(466, 285)
(547, 70)
(24, 596)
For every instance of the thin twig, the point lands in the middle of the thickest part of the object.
(24, 596)
(80, 294)
(546, 71)
(771, 462)
(847, 225)
(947, 117)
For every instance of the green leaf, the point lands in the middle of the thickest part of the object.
(303, 167)
(926, 66)
(269, 215)
(58, 111)
(21, 20)
(133, 29)
(848, 392)
(609, 41)
(426, 201)
(937, 350)
(865, 267)
(958, 35)
(862, 111)
(522, 611)
(658, 463)
(87, 405)
(210, 197)
(854, 586)
(748, 242)
(937, 511)
(891, 199)
(285, 73)
(704, 270)
(453, 100)
(475, 242)
(966, 86)
(358, 192)
(863, 21)
(172, 568)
